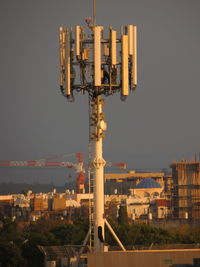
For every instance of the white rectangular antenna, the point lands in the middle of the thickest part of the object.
(77, 40)
(97, 55)
(134, 58)
(113, 35)
(61, 56)
(125, 83)
(129, 30)
(67, 63)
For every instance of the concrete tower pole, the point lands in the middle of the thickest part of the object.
(98, 165)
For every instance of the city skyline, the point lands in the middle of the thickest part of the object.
(156, 125)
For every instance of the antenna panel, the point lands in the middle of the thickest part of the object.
(61, 57)
(67, 63)
(129, 30)
(113, 35)
(77, 40)
(134, 58)
(97, 55)
(125, 82)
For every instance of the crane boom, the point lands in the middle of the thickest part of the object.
(78, 167)
(41, 163)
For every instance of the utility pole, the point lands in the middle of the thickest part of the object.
(103, 71)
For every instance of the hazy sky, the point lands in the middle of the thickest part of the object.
(157, 124)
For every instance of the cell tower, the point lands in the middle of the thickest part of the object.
(91, 63)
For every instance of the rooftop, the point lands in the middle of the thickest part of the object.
(148, 183)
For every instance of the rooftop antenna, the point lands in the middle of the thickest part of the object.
(92, 64)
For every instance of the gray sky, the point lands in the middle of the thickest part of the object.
(156, 125)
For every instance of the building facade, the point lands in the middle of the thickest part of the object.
(186, 189)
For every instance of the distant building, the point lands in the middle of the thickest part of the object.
(122, 182)
(137, 207)
(6, 202)
(39, 203)
(21, 202)
(168, 184)
(186, 189)
(6, 199)
(161, 208)
(146, 192)
(148, 187)
(59, 203)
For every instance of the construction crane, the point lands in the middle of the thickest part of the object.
(78, 167)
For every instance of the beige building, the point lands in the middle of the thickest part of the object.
(186, 189)
(161, 208)
(145, 258)
(39, 203)
(58, 203)
(138, 203)
(137, 207)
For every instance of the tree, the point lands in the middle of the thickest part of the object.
(32, 255)
(10, 255)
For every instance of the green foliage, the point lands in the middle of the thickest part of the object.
(148, 235)
(43, 225)
(186, 234)
(31, 254)
(64, 233)
(139, 234)
(10, 255)
(19, 245)
(11, 240)
(71, 233)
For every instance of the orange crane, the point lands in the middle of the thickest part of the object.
(78, 167)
